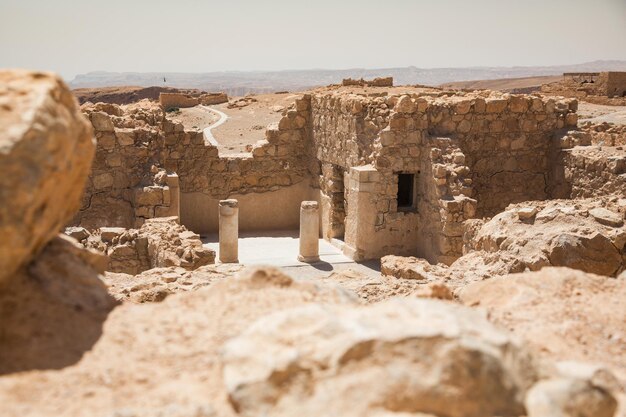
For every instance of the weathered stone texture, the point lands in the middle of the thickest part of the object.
(396, 357)
(177, 100)
(46, 149)
(160, 242)
(139, 147)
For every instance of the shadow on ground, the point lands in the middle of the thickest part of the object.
(51, 312)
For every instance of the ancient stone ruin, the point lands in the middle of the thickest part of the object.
(480, 238)
(595, 87)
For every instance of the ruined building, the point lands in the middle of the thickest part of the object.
(395, 170)
(611, 84)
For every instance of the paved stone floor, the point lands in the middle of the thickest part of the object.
(280, 248)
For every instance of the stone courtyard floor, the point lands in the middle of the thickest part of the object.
(280, 248)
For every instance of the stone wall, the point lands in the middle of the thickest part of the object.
(160, 242)
(213, 98)
(589, 171)
(472, 155)
(139, 150)
(606, 88)
(173, 100)
(507, 141)
(126, 185)
(376, 82)
(614, 83)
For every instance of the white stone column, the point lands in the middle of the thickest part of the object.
(309, 232)
(174, 186)
(229, 231)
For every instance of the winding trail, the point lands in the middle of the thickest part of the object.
(208, 135)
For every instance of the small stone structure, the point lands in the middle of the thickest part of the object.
(160, 242)
(180, 100)
(376, 82)
(593, 86)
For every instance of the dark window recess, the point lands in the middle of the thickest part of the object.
(405, 190)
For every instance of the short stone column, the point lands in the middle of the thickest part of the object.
(174, 186)
(309, 232)
(229, 231)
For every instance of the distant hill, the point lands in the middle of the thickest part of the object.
(240, 83)
(514, 85)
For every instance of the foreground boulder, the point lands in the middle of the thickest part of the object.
(46, 149)
(563, 314)
(569, 398)
(54, 309)
(397, 357)
(155, 359)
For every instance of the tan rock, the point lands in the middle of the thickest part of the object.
(526, 213)
(607, 217)
(569, 398)
(400, 356)
(566, 315)
(46, 149)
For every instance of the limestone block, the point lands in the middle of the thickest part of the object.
(125, 137)
(496, 105)
(405, 105)
(107, 234)
(463, 107)
(571, 119)
(102, 122)
(606, 217)
(102, 181)
(106, 140)
(518, 104)
(148, 196)
(526, 213)
(46, 149)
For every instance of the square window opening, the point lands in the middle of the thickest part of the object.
(406, 192)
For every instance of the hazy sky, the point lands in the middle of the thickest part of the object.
(77, 36)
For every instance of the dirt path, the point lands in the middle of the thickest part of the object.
(194, 117)
(246, 125)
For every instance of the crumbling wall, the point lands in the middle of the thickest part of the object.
(615, 83)
(138, 151)
(589, 171)
(507, 141)
(444, 200)
(606, 88)
(125, 185)
(173, 100)
(472, 155)
(213, 98)
(376, 82)
(160, 242)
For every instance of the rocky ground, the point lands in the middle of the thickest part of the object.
(528, 322)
